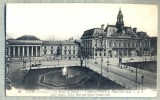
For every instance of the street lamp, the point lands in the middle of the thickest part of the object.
(30, 62)
(23, 74)
(142, 77)
(101, 48)
(107, 63)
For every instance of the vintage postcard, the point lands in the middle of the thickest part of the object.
(81, 50)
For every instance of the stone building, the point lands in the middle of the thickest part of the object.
(25, 46)
(51, 50)
(115, 41)
(30, 47)
(69, 50)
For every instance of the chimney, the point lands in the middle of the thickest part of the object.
(102, 26)
(135, 30)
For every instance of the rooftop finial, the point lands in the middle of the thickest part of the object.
(119, 9)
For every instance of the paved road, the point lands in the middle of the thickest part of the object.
(124, 75)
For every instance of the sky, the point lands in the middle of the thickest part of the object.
(61, 21)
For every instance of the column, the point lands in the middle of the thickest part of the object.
(27, 50)
(40, 51)
(127, 53)
(23, 51)
(18, 51)
(36, 51)
(13, 51)
(32, 51)
(9, 51)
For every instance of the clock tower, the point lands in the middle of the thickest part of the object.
(120, 23)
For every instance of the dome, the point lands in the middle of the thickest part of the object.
(28, 37)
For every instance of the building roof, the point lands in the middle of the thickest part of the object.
(111, 30)
(28, 37)
(24, 42)
(68, 42)
(142, 35)
(52, 42)
(90, 32)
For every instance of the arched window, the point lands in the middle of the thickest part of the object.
(115, 44)
(128, 44)
(119, 44)
(110, 44)
(137, 44)
(124, 44)
(132, 44)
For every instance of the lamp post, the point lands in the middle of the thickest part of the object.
(142, 77)
(30, 62)
(101, 49)
(108, 64)
(23, 73)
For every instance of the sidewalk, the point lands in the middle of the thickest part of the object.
(124, 75)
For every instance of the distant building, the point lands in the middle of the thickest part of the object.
(30, 47)
(153, 46)
(69, 50)
(115, 40)
(51, 50)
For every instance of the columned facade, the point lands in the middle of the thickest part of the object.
(19, 51)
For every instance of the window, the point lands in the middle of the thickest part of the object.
(65, 47)
(44, 51)
(73, 47)
(100, 54)
(132, 44)
(115, 44)
(119, 44)
(51, 51)
(137, 44)
(104, 54)
(51, 47)
(69, 51)
(69, 47)
(65, 51)
(146, 44)
(124, 44)
(44, 47)
(95, 54)
(96, 43)
(128, 45)
(73, 51)
(110, 44)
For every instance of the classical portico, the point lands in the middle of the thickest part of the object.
(25, 46)
(24, 51)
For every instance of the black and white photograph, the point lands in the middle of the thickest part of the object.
(81, 47)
